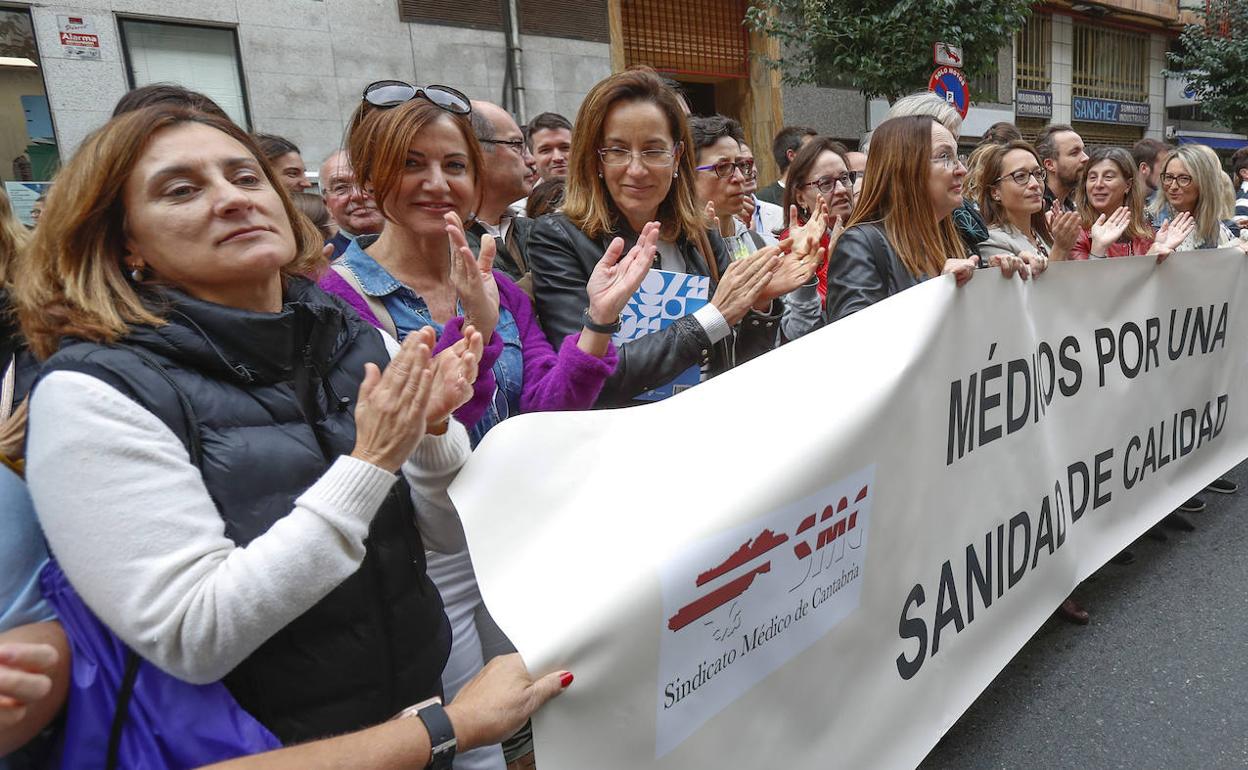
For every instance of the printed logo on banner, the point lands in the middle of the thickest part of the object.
(741, 604)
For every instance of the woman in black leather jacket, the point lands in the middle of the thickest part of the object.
(902, 230)
(631, 164)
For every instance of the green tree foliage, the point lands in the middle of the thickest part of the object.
(1214, 58)
(884, 47)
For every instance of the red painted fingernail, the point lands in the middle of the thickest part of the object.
(566, 679)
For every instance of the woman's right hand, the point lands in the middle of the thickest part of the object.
(455, 369)
(392, 405)
(473, 278)
(24, 678)
(963, 270)
(743, 282)
(499, 700)
(1106, 230)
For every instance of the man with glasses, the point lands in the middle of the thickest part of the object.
(503, 181)
(352, 208)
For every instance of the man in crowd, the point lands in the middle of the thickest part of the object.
(503, 180)
(783, 148)
(857, 167)
(1150, 155)
(762, 217)
(351, 207)
(550, 142)
(1239, 172)
(1061, 151)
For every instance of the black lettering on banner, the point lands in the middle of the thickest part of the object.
(1104, 339)
(1046, 373)
(976, 580)
(988, 402)
(961, 417)
(1044, 531)
(1130, 330)
(912, 628)
(1219, 334)
(1129, 476)
(1152, 335)
(1100, 477)
(1016, 420)
(947, 607)
(1171, 350)
(1079, 469)
(1059, 502)
(1019, 520)
(1071, 365)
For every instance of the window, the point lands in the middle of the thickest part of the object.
(1110, 64)
(1033, 54)
(663, 35)
(28, 151)
(203, 59)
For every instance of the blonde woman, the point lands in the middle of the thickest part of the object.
(1192, 182)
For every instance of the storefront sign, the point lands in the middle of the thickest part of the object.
(1109, 111)
(78, 37)
(1033, 104)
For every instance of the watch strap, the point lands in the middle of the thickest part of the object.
(588, 322)
(441, 736)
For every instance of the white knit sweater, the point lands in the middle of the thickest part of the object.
(130, 521)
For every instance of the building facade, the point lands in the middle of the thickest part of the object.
(298, 67)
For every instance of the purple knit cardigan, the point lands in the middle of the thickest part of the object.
(567, 380)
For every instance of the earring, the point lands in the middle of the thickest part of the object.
(136, 273)
(600, 175)
(675, 174)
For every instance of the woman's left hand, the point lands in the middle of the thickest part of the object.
(473, 278)
(617, 275)
(1064, 226)
(455, 369)
(1011, 264)
(795, 269)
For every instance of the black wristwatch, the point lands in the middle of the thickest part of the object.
(588, 322)
(441, 734)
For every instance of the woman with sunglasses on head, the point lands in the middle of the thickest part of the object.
(1011, 201)
(632, 166)
(819, 177)
(1192, 182)
(1111, 205)
(415, 148)
(902, 231)
(234, 473)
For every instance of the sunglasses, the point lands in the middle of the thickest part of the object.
(392, 93)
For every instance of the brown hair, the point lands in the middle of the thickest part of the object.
(74, 283)
(799, 170)
(988, 174)
(588, 204)
(379, 138)
(313, 207)
(13, 238)
(1133, 200)
(895, 192)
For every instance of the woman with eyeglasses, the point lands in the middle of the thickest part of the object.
(1111, 205)
(415, 148)
(632, 164)
(819, 177)
(1011, 201)
(901, 231)
(1192, 182)
(235, 474)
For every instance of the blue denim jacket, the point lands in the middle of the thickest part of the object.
(410, 313)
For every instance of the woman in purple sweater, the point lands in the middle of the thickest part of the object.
(415, 149)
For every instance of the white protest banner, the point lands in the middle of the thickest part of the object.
(820, 558)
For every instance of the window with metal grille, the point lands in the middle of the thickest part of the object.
(478, 14)
(578, 19)
(1110, 64)
(687, 37)
(1033, 54)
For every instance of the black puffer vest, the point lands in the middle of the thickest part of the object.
(270, 401)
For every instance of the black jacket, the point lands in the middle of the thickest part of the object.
(267, 402)
(512, 252)
(562, 259)
(863, 269)
(772, 193)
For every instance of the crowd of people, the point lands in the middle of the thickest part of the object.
(232, 407)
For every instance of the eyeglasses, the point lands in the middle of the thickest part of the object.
(1021, 178)
(827, 184)
(618, 156)
(724, 168)
(392, 93)
(1182, 180)
(516, 144)
(950, 161)
(854, 176)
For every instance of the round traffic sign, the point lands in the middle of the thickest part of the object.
(950, 84)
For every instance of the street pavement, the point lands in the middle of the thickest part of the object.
(1159, 679)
